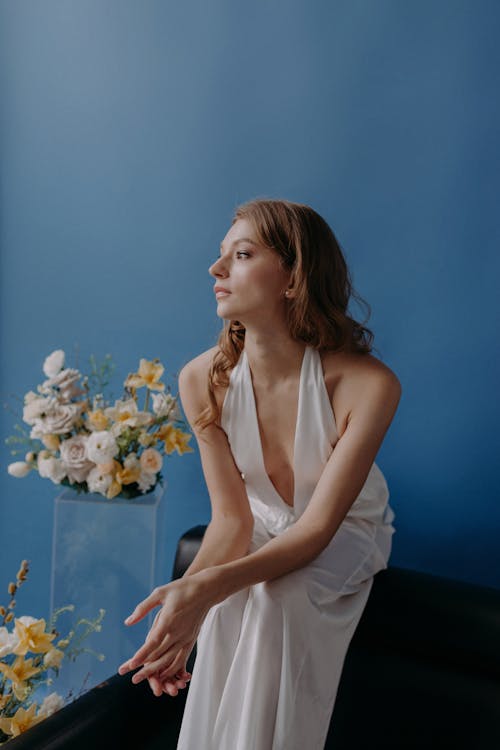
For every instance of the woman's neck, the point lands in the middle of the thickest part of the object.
(272, 356)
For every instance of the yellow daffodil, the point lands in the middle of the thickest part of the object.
(113, 490)
(51, 442)
(32, 636)
(175, 439)
(98, 420)
(20, 671)
(21, 721)
(148, 375)
(115, 469)
(127, 476)
(126, 414)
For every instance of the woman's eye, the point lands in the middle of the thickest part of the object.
(242, 252)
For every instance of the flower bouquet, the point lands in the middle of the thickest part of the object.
(21, 675)
(80, 440)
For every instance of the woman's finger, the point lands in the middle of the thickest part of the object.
(154, 648)
(177, 664)
(161, 664)
(170, 667)
(156, 685)
(153, 600)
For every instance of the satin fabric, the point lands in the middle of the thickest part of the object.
(269, 657)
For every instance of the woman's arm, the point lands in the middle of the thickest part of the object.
(228, 534)
(230, 530)
(186, 602)
(340, 484)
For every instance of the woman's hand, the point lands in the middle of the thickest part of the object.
(185, 603)
(169, 685)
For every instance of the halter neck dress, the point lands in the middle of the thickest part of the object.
(269, 657)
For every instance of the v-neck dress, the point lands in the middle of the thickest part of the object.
(269, 657)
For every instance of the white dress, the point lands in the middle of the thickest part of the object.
(269, 657)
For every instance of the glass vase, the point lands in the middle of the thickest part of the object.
(106, 554)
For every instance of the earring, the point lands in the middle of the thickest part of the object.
(287, 293)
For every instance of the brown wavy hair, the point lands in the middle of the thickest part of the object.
(317, 313)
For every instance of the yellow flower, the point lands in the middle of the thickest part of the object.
(175, 439)
(51, 442)
(114, 489)
(149, 375)
(20, 671)
(127, 476)
(98, 419)
(21, 721)
(32, 636)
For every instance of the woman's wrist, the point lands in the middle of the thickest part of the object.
(211, 585)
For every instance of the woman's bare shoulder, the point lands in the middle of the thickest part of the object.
(193, 384)
(198, 367)
(193, 377)
(353, 365)
(350, 377)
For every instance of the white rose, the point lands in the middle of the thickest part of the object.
(51, 468)
(98, 481)
(151, 460)
(75, 458)
(146, 481)
(58, 420)
(102, 447)
(51, 704)
(65, 382)
(53, 363)
(165, 405)
(8, 642)
(19, 469)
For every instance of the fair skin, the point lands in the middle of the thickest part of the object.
(364, 394)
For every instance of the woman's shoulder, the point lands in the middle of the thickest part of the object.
(352, 377)
(194, 374)
(193, 382)
(355, 366)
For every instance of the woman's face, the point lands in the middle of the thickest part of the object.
(250, 281)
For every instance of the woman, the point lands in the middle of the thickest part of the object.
(288, 428)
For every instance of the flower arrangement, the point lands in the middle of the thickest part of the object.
(20, 674)
(79, 439)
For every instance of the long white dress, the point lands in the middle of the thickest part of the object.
(269, 657)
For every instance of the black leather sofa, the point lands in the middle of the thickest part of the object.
(422, 671)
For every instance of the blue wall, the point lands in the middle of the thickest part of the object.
(130, 131)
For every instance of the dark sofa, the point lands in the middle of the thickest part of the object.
(422, 671)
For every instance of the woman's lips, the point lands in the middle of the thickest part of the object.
(221, 292)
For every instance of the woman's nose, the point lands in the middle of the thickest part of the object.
(218, 268)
